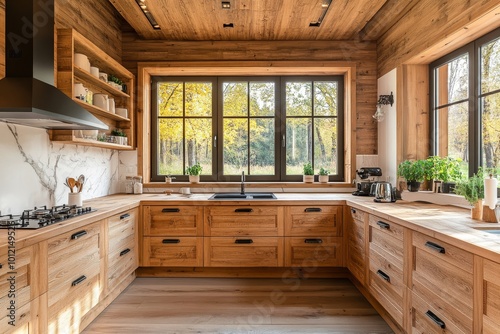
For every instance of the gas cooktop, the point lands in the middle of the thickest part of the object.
(42, 216)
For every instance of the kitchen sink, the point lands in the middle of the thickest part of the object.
(245, 196)
(492, 230)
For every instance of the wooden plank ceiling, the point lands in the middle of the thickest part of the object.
(253, 20)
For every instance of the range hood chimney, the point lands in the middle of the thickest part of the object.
(27, 93)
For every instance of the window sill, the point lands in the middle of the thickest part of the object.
(435, 198)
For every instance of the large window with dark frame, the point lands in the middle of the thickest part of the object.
(267, 127)
(465, 104)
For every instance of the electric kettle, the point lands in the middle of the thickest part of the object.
(384, 193)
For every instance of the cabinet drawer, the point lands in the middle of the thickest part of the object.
(356, 249)
(443, 251)
(388, 275)
(450, 284)
(387, 246)
(173, 251)
(122, 225)
(72, 238)
(358, 214)
(244, 252)
(389, 293)
(122, 261)
(429, 318)
(244, 221)
(161, 220)
(313, 220)
(313, 252)
(386, 227)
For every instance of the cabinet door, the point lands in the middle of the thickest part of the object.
(313, 251)
(356, 241)
(17, 285)
(244, 252)
(313, 220)
(74, 282)
(491, 297)
(243, 221)
(165, 220)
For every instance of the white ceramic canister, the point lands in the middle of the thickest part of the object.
(82, 61)
(103, 76)
(123, 112)
(111, 105)
(101, 100)
(94, 71)
(80, 91)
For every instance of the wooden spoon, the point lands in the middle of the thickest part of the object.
(71, 183)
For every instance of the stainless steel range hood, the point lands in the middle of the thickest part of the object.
(27, 93)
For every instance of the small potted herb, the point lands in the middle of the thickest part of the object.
(473, 191)
(413, 172)
(323, 175)
(452, 175)
(169, 178)
(308, 173)
(194, 172)
(119, 137)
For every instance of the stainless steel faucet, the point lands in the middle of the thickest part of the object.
(243, 183)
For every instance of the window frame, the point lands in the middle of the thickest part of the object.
(280, 117)
(472, 49)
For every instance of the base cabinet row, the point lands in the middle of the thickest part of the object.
(424, 284)
(242, 236)
(59, 283)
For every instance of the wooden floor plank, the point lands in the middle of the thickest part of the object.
(218, 305)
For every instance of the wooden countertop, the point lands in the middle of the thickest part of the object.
(447, 223)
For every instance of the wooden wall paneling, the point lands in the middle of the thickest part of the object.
(432, 29)
(2, 38)
(229, 54)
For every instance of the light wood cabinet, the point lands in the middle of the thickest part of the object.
(18, 290)
(386, 266)
(122, 250)
(313, 236)
(173, 236)
(357, 237)
(442, 290)
(70, 42)
(491, 297)
(75, 283)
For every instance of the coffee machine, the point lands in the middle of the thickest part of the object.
(363, 186)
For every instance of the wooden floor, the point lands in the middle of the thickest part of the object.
(237, 305)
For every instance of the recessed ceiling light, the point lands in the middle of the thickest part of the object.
(147, 13)
(325, 4)
(226, 5)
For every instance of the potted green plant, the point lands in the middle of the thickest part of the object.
(194, 172)
(473, 191)
(435, 167)
(119, 137)
(451, 175)
(413, 172)
(323, 175)
(308, 173)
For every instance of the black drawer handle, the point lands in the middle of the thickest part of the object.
(79, 280)
(384, 225)
(436, 319)
(171, 210)
(122, 217)
(78, 235)
(1, 265)
(312, 210)
(171, 241)
(244, 210)
(313, 241)
(243, 241)
(353, 210)
(435, 247)
(384, 276)
(125, 251)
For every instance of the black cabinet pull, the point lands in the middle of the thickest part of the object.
(125, 251)
(1, 265)
(313, 241)
(124, 216)
(436, 319)
(167, 210)
(384, 276)
(78, 235)
(244, 210)
(435, 247)
(243, 241)
(79, 280)
(312, 210)
(383, 225)
(171, 241)
(353, 210)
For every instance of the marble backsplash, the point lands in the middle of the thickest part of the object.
(34, 169)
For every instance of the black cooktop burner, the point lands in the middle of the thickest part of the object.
(42, 216)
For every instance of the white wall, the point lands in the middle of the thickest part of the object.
(387, 129)
(33, 169)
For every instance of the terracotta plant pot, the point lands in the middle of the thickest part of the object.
(194, 178)
(323, 178)
(308, 178)
(477, 210)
